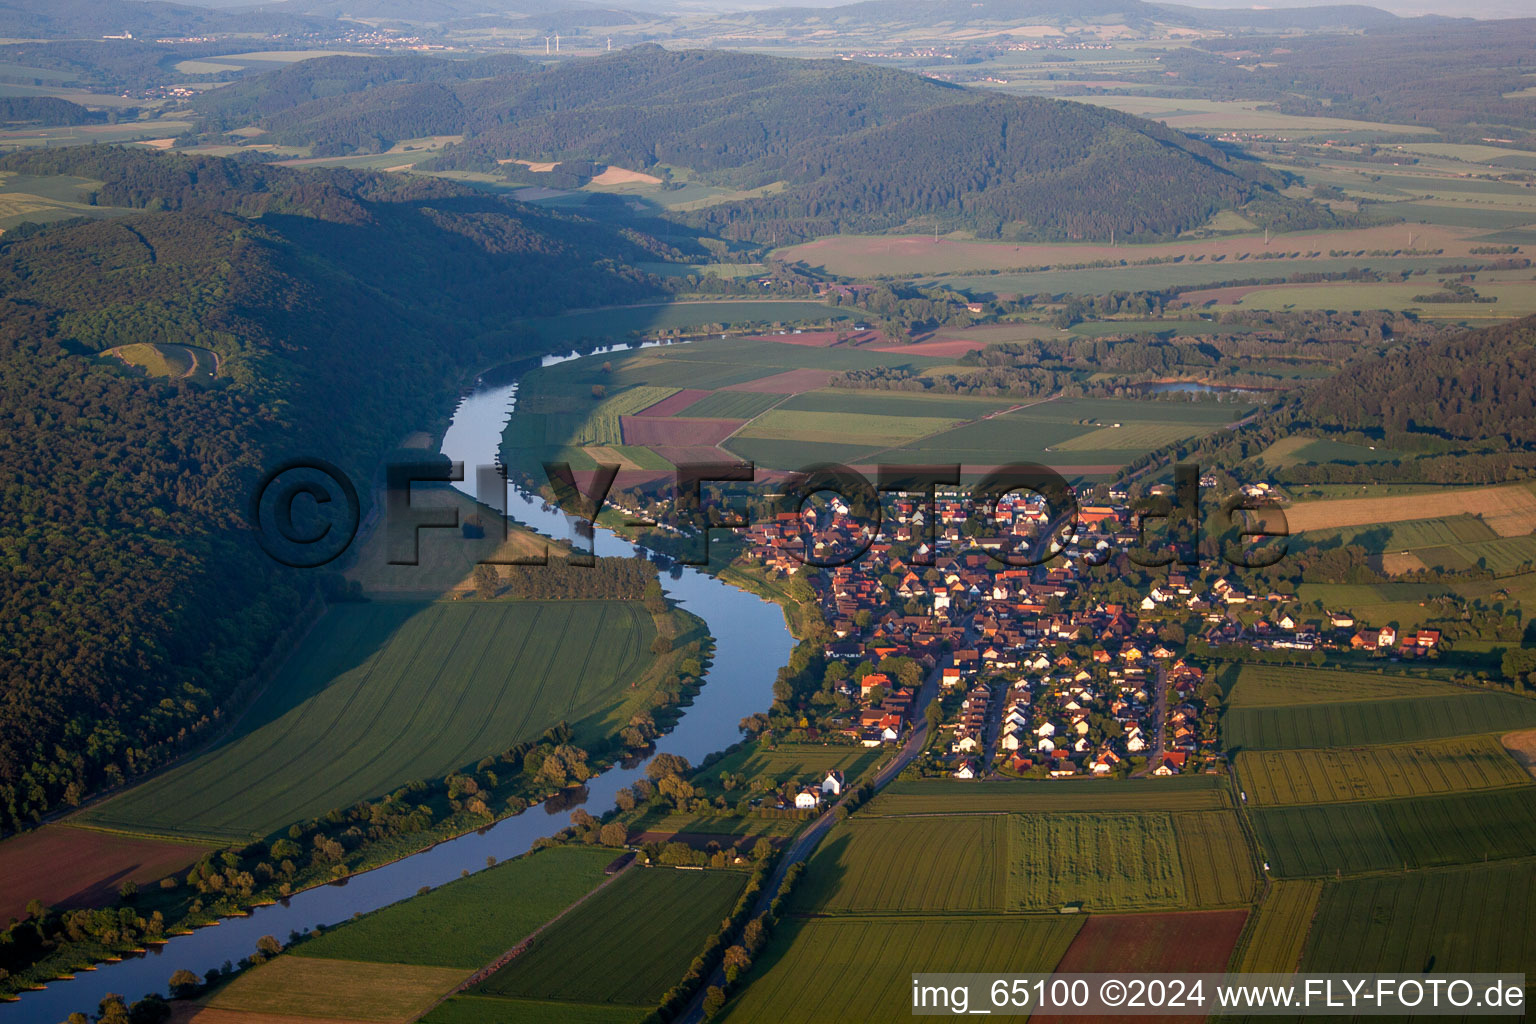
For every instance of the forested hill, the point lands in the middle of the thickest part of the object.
(344, 311)
(844, 146)
(1477, 386)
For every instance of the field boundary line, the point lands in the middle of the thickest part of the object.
(482, 973)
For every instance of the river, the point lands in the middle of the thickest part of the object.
(751, 642)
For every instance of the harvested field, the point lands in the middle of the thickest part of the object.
(649, 430)
(938, 347)
(619, 176)
(693, 455)
(674, 403)
(1194, 941)
(790, 382)
(1521, 746)
(1509, 510)
(191, 1013)
(79, 867)
(346, 989)
(732, 405)
(1399, 563)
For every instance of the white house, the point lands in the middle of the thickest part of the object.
(832, 785)
(808, 798)
(965, 771)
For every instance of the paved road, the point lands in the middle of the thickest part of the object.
(806, 841)
(1159, 721)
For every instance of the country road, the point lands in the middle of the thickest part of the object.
(807, 841)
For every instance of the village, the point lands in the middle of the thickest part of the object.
(1032, 670)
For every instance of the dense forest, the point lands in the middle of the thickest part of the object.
(1478, 385)
(345, 309)
(849, 147)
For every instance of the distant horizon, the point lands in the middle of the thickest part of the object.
(1482, 10)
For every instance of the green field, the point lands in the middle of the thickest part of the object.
(1217, 863)
(946, 796)
(1319, 840)
(1277, 931)
(470, 921)
(627, 945)
(1263, 686)
(1106, 861)
(731, 405)
(837, 970)
(1480, 918)
(602, 425)
(383, 693)
(1377, 773)
(842, 427)
(894, 403)
(490, 1010)
(909, 865)
(1360, 723)
(807, 762)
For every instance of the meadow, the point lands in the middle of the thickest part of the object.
(1360, 723)
(809, 762)
(1259, 686)
(468, 922)
(626, 945)
(910, 865)
(383, 693)
(1425, 768)
(490, 1010)
(835, 970)
(1321, 840)
(1480, 918)
(1277, 930)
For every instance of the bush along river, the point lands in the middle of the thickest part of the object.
(751, 642)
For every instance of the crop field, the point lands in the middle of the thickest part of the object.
(344, 989)
(383, 693)
(863, 255)
(1278, 929)
(1480, 918)
(1361, 723)
(836, 970)
(1260, 686)
(731, 405)
(470, 921)
(490, 1010)
(602, 424)
(66, 867)
(894, 403)
(663, 433)
(725, 827)
(1408, 535)
(1377, 773)
(1128, 437)
(842, 427)
(1107, 861)
(946, 796)
(1319, 840)
(808, 762)
(1214, 855)
(910, 865)
(628, 944)
(1195, 941)
(1509, 510)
